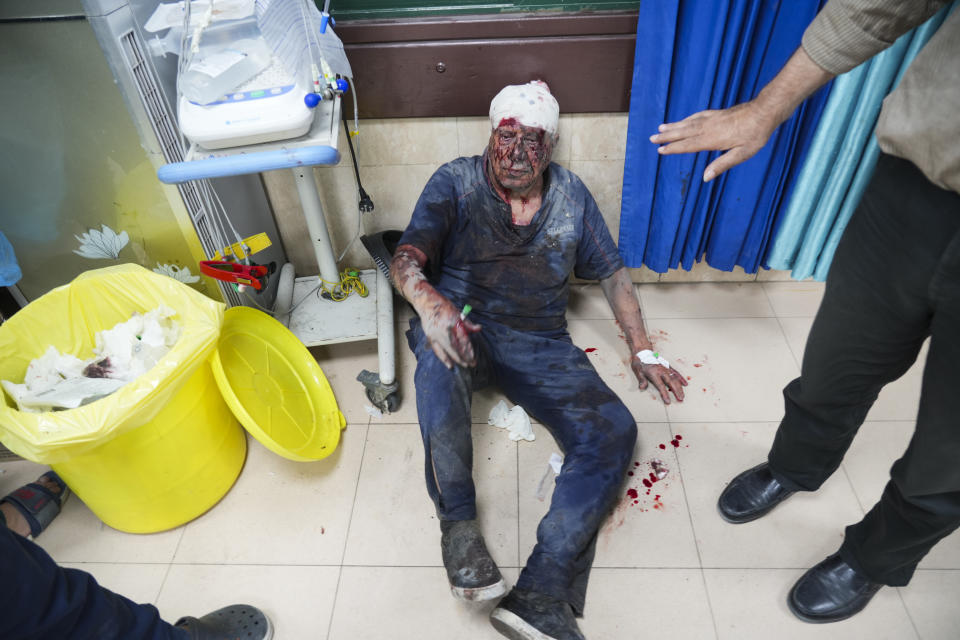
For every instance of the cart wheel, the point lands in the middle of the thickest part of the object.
(382, 396)
(393, 402)
(387, 404)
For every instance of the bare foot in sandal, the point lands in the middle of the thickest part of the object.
(31, 508)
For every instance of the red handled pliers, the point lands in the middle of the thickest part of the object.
(252, 275)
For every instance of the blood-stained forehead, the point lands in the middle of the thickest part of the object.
(529, 105)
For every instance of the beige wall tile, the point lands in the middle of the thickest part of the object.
(641, 275)
(604, 179)
(336, 186)
(394, 190)
(472, 135)
(702, 272)
(596, 136)
(773, 275)
(338, 193)
(406, 141)
(285, 203)
(705, 300)
(644, 275)
(561, 154)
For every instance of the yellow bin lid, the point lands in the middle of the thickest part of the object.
(275, 387)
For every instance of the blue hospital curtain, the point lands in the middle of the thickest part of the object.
(841, 160)
(695, 56)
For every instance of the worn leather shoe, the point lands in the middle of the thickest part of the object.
(528, 615)
(830, 591)
(472, 573)
(751, 495)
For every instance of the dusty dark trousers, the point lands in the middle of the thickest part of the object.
(895, 280)
(552, 379)
(42, 601)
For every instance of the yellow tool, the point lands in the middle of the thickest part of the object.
(246, 247)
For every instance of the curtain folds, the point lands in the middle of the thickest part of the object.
(841, 159)
(690, 58)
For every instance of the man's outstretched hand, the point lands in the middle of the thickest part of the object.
(741, 131)
(665, 379)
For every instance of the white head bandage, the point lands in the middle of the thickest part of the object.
(531, 105)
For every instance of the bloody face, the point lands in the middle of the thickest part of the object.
(518, 154)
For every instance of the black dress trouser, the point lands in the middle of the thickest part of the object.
(894, 281)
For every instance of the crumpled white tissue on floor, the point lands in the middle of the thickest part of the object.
(122, 354)
(514, 420)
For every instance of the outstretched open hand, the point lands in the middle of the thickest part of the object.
(665, 379)
(741, 131)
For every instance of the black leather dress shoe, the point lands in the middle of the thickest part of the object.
(830, 591)
(750, 495)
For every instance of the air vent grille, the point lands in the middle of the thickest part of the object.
(171, 142)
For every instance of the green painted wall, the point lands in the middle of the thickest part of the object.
(368, 9)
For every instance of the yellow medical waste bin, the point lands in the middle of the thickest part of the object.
(166, 447)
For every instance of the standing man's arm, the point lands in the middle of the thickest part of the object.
(618, 288)
(844, 34)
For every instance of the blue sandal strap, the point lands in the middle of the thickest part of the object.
(37, 504)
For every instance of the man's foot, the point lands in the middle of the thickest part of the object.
(236, 622)
(830, 591)
(472, 572)
(528, 615)
(751, 495)
(29, 510)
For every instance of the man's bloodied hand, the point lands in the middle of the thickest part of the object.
(447, 334)
(665, 379)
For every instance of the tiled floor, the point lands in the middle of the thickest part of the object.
(348, 548)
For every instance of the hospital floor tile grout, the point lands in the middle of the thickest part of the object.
(693, 528)
(356, 487)
(909, 615)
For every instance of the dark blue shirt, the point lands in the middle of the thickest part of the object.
(515, 275)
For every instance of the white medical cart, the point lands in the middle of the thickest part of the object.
(317, 320)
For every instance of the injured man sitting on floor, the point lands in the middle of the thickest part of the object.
(502, 232)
